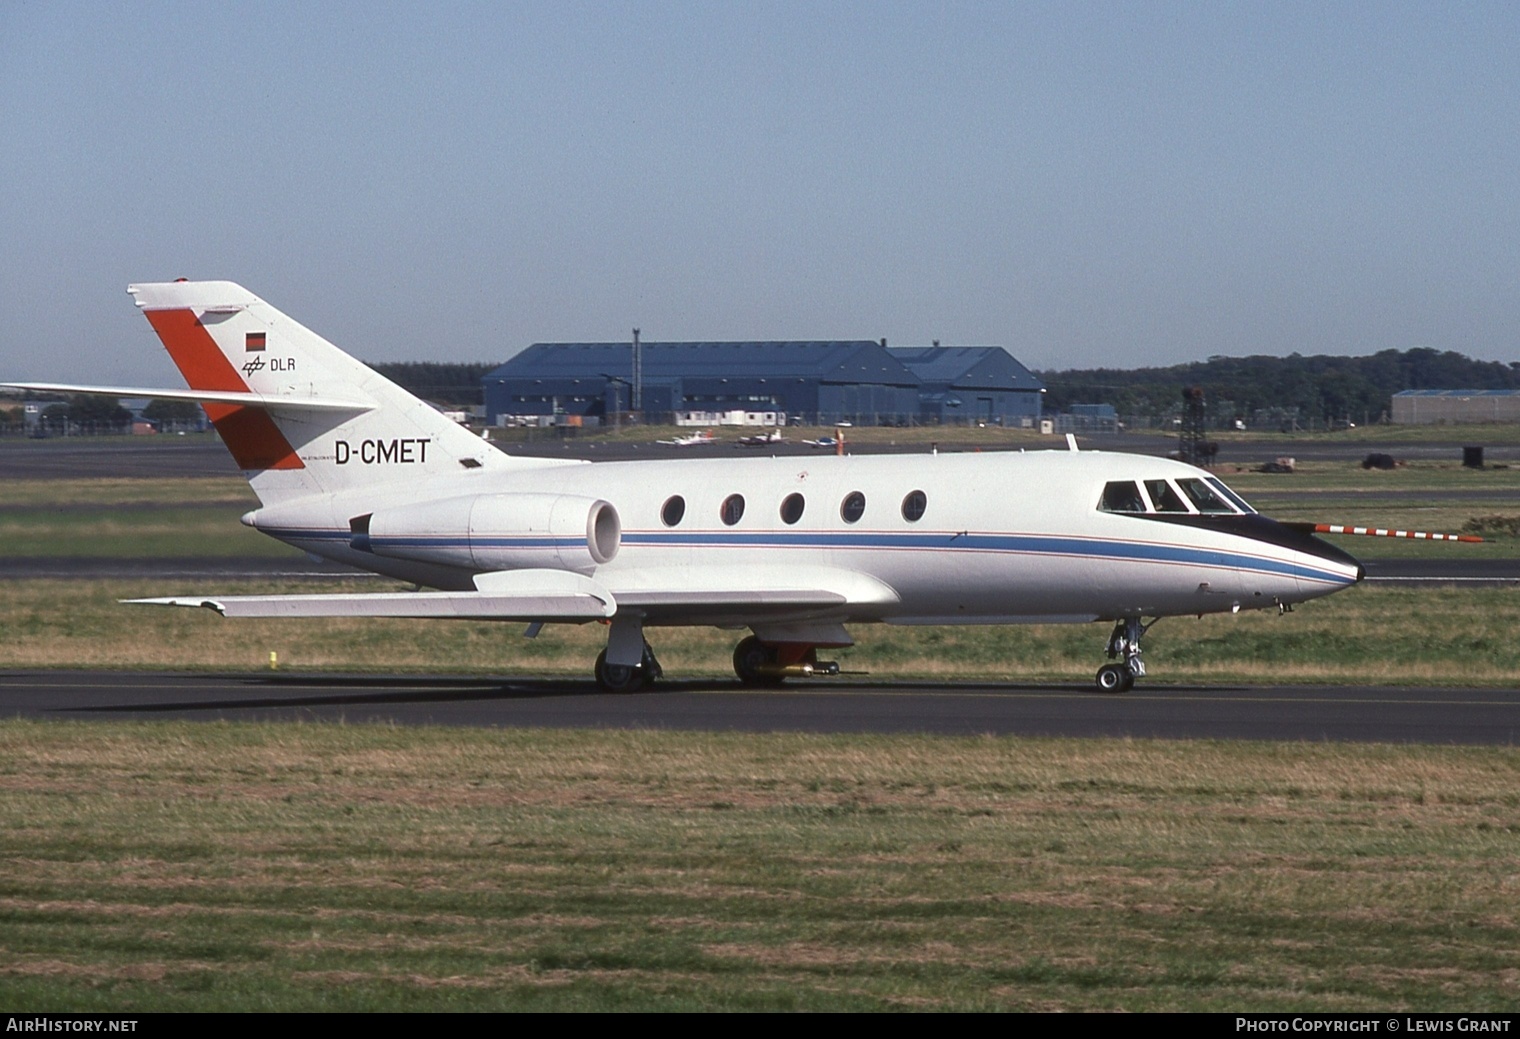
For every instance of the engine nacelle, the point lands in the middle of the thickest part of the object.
(496, 532)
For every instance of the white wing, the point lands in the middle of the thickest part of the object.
(678, 595)
(534, 595)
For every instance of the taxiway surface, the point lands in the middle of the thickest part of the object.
(1338, 713)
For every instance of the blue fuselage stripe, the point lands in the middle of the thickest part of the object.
(1007, 544)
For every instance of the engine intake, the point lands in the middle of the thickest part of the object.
(496, 532)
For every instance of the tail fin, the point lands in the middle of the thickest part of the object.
(326, 423)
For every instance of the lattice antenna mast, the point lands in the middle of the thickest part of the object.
(1193, 448)
(637, 404)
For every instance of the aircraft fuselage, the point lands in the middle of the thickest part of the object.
(993, 537)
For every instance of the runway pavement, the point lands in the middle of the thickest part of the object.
(70, 458)
(1465, 573)
(1337, 713)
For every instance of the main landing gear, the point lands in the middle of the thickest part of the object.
(625, 678)
(755, 662)
(1123, 644)
(759, 664)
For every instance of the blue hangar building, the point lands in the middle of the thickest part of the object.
(962, 385)
(816, 382)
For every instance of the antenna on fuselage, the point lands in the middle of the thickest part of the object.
(1071, 442)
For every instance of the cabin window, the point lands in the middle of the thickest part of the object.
(913, 506)
(673, 509)
(791, 508)
(1163, 497)
(1203, 497)
(853, 508)
(732, 509)
(1122, 496)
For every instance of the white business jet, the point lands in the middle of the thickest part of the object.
(696, 439)
(349, 466)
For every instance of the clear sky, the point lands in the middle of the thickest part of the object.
(1087, 184)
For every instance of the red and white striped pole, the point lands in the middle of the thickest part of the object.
(1379, 532)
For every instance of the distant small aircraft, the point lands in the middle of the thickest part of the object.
(703, 437)
(349, 466)
(762, 439)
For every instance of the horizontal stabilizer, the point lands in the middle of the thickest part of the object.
(247, 400)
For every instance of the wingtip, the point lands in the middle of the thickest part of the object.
(208, 604)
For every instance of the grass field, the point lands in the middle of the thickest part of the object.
(214, 866)
(134, 533)
(132, 519)
(1383, 635)
(185, 866)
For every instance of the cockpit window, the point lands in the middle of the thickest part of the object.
(1206, 495)
(1203, 497)
(1163, 497)
(1122, 496)
(1235, 499)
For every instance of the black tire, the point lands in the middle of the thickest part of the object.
(620, 678)
(1115, 678)
(749, 656)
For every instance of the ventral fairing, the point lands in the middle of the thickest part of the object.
(349, 466)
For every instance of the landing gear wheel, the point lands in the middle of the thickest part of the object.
(620, 678)
(1115, 678)
(1124, 648)
(749, 656)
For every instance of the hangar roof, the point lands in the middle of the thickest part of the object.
(856, 360)
(967, 367)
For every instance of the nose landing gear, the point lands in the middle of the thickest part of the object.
(1123, 644)
(1115, 678)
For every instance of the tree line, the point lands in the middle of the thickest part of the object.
(438, 382)
(1320, 387)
